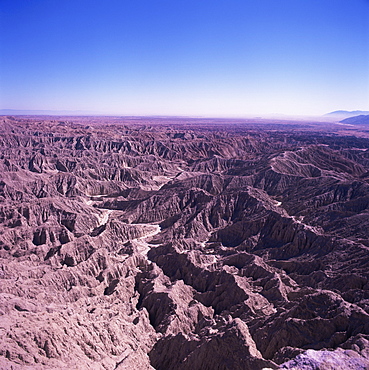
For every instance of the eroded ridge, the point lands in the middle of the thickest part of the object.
(182, 246)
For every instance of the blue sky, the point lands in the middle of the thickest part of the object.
(185, 57)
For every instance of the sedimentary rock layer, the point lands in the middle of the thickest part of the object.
(148, 246)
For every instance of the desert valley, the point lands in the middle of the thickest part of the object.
(174, 243)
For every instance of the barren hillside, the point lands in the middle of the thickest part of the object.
(133, 245)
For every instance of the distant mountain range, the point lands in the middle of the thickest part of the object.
(362, 119)
(346, 114)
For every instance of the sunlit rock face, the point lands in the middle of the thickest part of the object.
(182, 245)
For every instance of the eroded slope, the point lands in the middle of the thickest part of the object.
(138, 246)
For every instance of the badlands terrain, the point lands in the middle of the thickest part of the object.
(149, 243)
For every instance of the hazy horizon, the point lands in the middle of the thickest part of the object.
(76, 113)
(165, 58)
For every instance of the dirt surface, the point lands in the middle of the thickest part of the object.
(141, 243)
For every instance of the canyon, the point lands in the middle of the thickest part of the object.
(174, 243)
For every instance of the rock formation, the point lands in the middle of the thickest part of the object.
(174, 245)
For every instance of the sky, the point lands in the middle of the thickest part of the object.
(215, 58)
